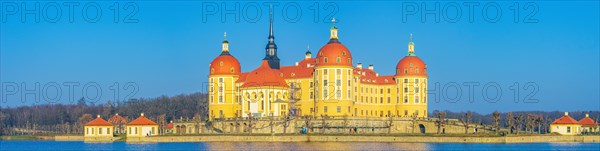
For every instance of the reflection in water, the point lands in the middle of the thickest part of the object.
(35, 145)
(315, 146)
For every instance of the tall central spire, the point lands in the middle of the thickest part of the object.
(271, 48)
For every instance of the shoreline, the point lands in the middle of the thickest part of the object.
(329, 138)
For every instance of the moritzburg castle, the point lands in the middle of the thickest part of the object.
(328, 84)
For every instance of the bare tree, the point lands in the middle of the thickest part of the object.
(323, 123)
(465, 119)
(250, 124)
(519, 122)
(510, 121)
(496, 122)
(307, 122)
(390, 124)
(539, 120)
(162, 119)
(286, 122)
(441, 119)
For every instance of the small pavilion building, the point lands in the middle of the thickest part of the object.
(119, 123)
(588, 125)
(98, 130)
(142, 127)
(565, 125)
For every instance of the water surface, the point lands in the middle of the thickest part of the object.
(35, 145)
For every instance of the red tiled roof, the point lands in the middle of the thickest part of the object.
(332, 51)
(170, 126)
(223, 64)
(264, 76)
(413, 65)
(587, 121)
(369, 76)
(116, 119)
(304, 69)
(242, 77)
(565, 120)
(98, 122)
(142, 121)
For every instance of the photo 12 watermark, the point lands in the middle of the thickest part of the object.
(458, 11)
(252, 12)
(58, 92)
(68, 11)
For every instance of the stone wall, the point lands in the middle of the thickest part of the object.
(333, 125)
(402, 139)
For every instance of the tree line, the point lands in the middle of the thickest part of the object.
(69, 118)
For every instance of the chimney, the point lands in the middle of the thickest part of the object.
(359, 65)
(566, 113)
(371, 67)
(142, 114)
(587, 115)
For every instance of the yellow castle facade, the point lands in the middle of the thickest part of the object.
(328, 84)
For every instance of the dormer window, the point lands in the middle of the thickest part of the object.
(221, 63)
(232, 71)
(349, 61)
(325, 60)
(338, 60)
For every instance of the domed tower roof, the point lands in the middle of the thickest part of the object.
(411, 65)
(225, 64)
(334, 53)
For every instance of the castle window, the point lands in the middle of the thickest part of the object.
(417, 71)
(212, 70)
(389, 91)
(405, 90)
(220, 99)
(325, 72)
(381, 100)
(221, 63)
(410, 65)
(416, 99)
(325, 109)
(343, 53)
(338, 93)
(338, 60)
(349, 61)
(339, 109)
(232, 70)
(405, 80)
(338, 82)
(416, 89)
(325, 93)
(424, 99)
(324, 82)
(405, 71)
(405, 99)
(338, 71)
(325, 60)
(389, 100)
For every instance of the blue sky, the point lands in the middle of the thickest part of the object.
(554, 45)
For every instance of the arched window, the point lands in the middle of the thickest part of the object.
(232, 70)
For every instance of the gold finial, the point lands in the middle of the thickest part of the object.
(333, 21)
